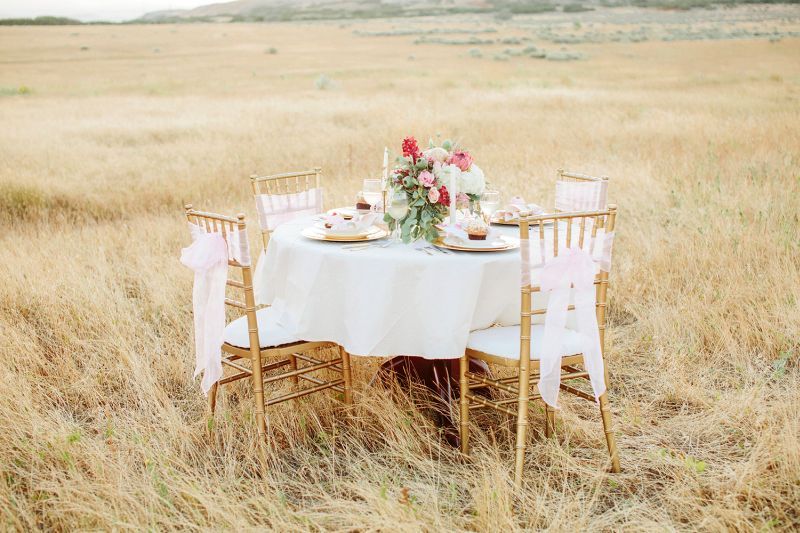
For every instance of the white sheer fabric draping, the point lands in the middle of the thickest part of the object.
(574, 196)
(208, 257)
(564, 279)
(275, 209)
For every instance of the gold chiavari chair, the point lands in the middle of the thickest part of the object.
(520, 346)
(287, 187)
(590, 195)
(255, 344)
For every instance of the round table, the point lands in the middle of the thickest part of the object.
(386, 301)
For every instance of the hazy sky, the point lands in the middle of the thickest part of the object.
(92, 9)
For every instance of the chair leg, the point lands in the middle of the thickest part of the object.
(347, 376)
(549, 421)
(212, 398)
(293, 366)
(258, 393)
(605, 413)
(463, 433)
(522, 422)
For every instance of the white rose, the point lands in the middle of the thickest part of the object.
(472, 181)
(447, 173)
(437, 154)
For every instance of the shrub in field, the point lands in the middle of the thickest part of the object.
(22, 90)
(323, 82)
(576, 8)
(563, 55)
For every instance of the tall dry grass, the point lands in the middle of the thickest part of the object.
(101, 426)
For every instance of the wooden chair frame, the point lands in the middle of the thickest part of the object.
(287, 354)
(285, 183)
(517, 389)
(566, 175)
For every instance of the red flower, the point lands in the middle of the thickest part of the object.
(410, 148)
(444, 196)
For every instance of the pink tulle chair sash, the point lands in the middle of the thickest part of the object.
(208, 257)
(275, 209)
(570, 275)
(238, 247)
(574, 196)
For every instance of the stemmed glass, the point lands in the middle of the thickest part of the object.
(490, 201)
(373, 193)
(398, 209)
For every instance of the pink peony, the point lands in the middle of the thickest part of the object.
(461, 159)
(462, 200)
(433, 195)
(426, 178)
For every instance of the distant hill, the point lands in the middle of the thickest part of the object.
(276, 10)
(287, 10)
(293, 10)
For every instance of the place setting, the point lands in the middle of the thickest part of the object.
(338, 227)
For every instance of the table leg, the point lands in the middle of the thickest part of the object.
(440, 378)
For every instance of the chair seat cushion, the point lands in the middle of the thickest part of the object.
(504, 341)
(269, 332)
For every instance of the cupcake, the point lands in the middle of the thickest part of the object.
(477, 229)
(362, 204)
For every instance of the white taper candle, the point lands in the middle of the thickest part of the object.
(385, 176)
(453, 193)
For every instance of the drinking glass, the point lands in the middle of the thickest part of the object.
(373, 193)
(490, 202)
(398, 209)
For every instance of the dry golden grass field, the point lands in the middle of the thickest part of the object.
(108, 130)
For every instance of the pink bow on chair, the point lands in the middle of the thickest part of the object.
(207, 256)
(572, 268)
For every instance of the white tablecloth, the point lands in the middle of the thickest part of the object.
(386, 301)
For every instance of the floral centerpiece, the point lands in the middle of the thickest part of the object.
(426, 176)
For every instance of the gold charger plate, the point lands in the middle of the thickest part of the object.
(317, 234)
(509, 245)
